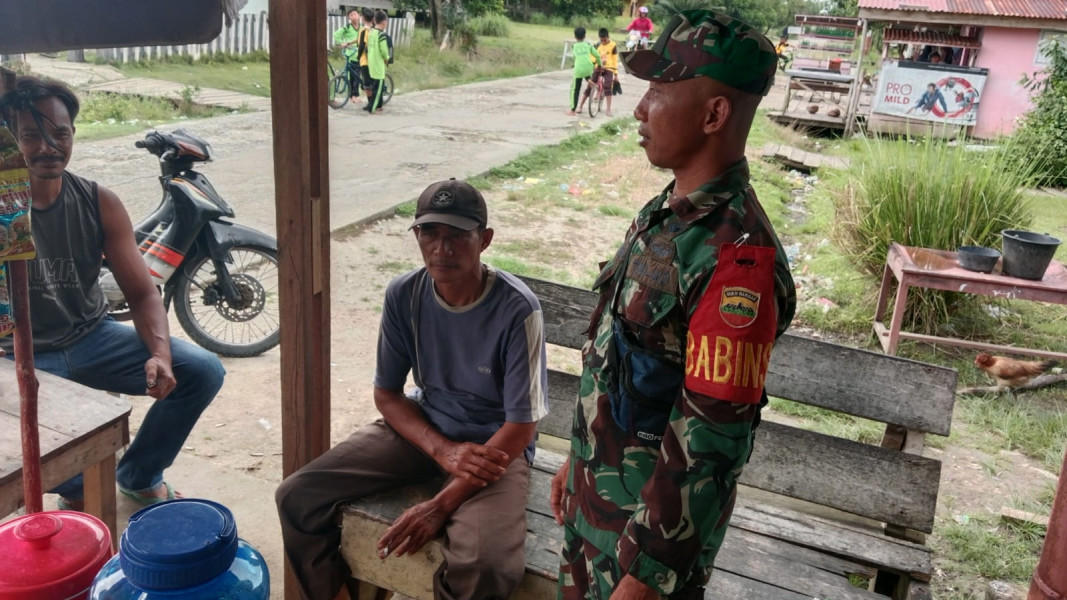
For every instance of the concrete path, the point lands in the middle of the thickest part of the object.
(376, 162)
(71, 73)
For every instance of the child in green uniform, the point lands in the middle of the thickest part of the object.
(377, 56)
(348, 38)
(585, 56)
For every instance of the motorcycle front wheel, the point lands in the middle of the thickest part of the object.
(246, 326)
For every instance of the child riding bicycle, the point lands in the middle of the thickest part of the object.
(348, 38)
(604, 75)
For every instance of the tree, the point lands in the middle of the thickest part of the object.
(585, 8)
(1045, 126)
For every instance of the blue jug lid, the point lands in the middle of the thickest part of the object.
(177, 544)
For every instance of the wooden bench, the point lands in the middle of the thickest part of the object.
(814, 510)
(81, 429)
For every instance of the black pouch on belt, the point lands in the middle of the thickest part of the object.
(642, 388)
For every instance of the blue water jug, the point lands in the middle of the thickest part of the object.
(186, 548)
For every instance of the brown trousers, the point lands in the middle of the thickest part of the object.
(484, 545)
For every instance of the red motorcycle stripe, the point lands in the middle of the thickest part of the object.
(168, 256)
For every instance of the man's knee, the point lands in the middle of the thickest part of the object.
(285, 492)
(199, 370)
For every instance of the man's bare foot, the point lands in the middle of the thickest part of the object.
(608, 113)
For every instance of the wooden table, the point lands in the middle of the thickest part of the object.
(81, 429)
(939, 270)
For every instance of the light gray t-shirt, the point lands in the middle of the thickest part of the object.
(477, 366)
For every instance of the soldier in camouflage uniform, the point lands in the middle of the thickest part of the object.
(690, 307)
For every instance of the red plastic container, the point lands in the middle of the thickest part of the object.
(52, 555)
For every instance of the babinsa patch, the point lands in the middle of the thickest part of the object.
(739, 306)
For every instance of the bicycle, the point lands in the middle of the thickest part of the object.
(338, 89)
(594, 92)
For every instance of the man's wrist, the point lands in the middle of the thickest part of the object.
(447, 500)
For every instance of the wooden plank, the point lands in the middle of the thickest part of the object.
(869, 548)
(411, 575)
(725, 584)
(888, 389)
(789, 551)
(865, 384)
(1021, 517)
(58, 397)
(750, 565)
(742, 557)
(874, 482)
(302, 216)
(766, 556)
(98, 482)
(877, 483)
(11, 458)
(566, 311)
(66, 461)
(301, 175)
(562, 396)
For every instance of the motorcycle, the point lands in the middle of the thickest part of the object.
(635, 39)
(221, 277)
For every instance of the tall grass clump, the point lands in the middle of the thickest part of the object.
(930, 194)
(491, 26)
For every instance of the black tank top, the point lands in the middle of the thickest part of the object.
(66, 302)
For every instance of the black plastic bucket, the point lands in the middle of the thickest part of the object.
(977, 258)
(1027, 254)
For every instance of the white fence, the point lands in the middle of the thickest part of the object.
(249, 33)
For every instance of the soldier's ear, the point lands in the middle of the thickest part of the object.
(717, 114)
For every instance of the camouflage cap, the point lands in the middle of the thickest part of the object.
(703, 42)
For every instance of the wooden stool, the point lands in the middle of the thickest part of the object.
(81, 429)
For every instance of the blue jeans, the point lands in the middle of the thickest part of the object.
(112, 358)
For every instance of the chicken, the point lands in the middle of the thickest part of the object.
(1009, 372)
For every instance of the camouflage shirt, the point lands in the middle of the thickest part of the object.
(661, 506)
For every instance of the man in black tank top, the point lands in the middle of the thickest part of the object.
(75, 223)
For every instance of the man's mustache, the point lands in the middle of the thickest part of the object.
(37, 159)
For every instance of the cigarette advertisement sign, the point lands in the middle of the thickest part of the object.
(930, 92)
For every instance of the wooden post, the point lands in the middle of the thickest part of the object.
(301, 180)
(1050, 575)
(27, 379)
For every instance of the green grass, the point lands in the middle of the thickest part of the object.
(247, 76)
(1034, 424)
(528, 49)
(979, 549)
(105, 115)
(830, 422)
(518, 266)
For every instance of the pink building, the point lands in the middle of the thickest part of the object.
(991, 45)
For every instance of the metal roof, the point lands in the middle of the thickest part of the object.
(933, 38)
(1027, 9)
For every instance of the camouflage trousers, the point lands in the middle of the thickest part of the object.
(586, 573)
